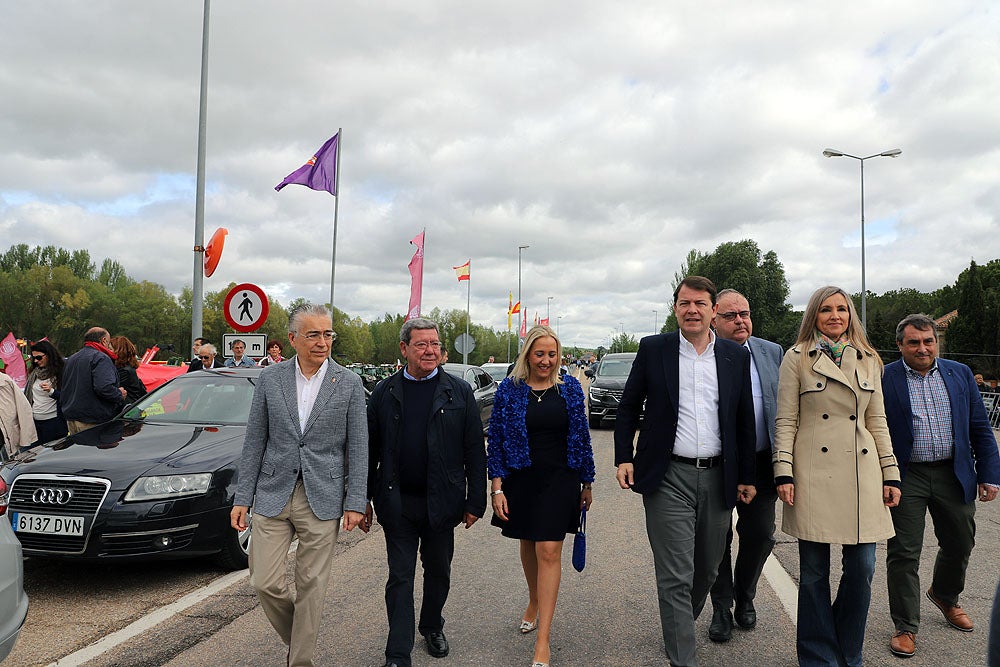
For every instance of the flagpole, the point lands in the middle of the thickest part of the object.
(198, 283)
(468, 300)
(336, 210)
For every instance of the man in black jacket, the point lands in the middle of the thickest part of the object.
(90, 393)
(426, 474)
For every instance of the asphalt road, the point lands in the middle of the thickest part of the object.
(605, 615)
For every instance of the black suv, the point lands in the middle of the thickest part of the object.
(606, 384)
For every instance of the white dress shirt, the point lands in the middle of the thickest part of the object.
(698, 433)
(306, 390)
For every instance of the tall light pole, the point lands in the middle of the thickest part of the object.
(558, 322)
(655, 322)
(520, 320)
(198, 282)
(548, 308)
(895, 152)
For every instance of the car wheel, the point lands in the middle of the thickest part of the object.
(235, 552)
(595, 422)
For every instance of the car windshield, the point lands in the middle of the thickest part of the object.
(497, 371)
(196, 400)
(615, 367)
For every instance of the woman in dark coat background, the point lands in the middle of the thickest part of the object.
(42, 390)
(126, 363)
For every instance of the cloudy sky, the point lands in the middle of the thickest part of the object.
(612, 138)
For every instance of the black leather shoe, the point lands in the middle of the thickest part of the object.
(437, 644)
(746, 615)
(392, 664)
(721, 629)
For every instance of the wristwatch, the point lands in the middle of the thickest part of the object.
(498, 492)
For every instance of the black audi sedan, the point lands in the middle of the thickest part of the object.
(156, 482)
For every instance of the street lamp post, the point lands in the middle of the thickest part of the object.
(895, 152)
(520, 319)
(558, 322)
(548, 308)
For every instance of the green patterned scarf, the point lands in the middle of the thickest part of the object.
(832, 348)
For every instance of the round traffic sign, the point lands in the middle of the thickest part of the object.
(464, 343)
(246, 308)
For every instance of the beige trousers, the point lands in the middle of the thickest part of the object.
(76, 427)
(296, 616)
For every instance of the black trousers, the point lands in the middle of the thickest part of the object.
(436, 547)
(755, 525)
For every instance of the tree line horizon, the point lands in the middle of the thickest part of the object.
(58, 293)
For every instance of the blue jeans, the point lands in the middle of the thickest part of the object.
(832, 635)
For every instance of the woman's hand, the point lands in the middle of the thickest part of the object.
(586, 497)
(891, 496)
(500, 505)
(787, 493)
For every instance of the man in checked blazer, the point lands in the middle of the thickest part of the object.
(304, 465)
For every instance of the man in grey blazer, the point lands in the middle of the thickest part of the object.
(755, 524)
(304, 465)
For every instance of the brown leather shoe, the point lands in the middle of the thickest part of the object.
(956, 616)
(903, 644)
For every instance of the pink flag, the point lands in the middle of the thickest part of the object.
(13, 360)
(544, 321)
(524, 325)
(416, 277)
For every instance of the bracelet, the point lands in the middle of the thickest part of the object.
(587, 487)
(498, 492)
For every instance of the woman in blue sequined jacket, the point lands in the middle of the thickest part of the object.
(541, 467)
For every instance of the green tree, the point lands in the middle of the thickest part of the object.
(760, 277)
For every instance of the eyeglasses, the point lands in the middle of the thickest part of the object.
(204, 356)
(424, 345)
(313, 336)
(731, 315)
(37, 357)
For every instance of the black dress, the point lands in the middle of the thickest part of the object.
(543, 500)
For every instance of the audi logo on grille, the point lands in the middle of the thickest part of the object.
(51, 496)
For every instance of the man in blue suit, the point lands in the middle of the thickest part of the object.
(947, 456)
(756, 520)
(304, 465)
(694, 456)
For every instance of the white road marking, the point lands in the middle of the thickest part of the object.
(784, 587)
(148, 621)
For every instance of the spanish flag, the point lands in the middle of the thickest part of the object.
(462, 271)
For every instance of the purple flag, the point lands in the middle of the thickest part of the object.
(320, 172)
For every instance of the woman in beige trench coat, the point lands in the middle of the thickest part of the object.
(835, 472)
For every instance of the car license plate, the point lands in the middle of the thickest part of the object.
(49, 525)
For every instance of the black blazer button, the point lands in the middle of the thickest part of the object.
(854, 417)
(864, 451)
(819, 384)
(823, 449)
(825, 416)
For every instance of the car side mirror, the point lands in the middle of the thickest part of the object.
(589, 373)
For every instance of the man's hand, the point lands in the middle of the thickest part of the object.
(124, 393)
(238, 517)
(987, 492)
(891, 496)
(369, 518)
(625, 475)
(352, 519)
(469, 520)
(745, 493)
(787, 493)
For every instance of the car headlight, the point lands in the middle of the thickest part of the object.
(169, 486)
(597, 392)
